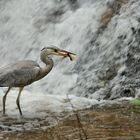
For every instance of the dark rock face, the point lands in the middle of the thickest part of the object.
(114, 65)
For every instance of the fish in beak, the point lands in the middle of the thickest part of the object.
(65, 54)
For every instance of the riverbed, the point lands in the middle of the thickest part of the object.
(119, 121)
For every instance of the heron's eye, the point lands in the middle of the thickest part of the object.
(55, 50)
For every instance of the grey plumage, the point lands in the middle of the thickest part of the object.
(23, 73)
(19, 74)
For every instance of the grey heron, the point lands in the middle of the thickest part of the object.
(23, 73)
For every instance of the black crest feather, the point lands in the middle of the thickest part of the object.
(43, 48)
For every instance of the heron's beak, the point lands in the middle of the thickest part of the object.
(65, 54)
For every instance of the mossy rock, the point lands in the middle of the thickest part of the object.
(135, 102)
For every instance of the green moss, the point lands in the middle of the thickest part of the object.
(135, 102)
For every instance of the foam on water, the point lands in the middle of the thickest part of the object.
(38, 104)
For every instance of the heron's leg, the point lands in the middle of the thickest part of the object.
(18, 100)
(4, 99)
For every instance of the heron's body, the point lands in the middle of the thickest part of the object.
(19, 74)
(23, 73)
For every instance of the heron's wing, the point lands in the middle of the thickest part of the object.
(19, 74)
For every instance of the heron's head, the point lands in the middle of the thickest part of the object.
(53, 50)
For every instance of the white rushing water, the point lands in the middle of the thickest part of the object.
(103, 33)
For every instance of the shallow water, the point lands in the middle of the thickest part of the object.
(114, 122)
(104, 34)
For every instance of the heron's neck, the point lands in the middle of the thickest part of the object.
(45, 59)
(48, 64)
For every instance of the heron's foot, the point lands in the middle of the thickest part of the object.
(21, 117)
(3, 111)
(4, 115)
